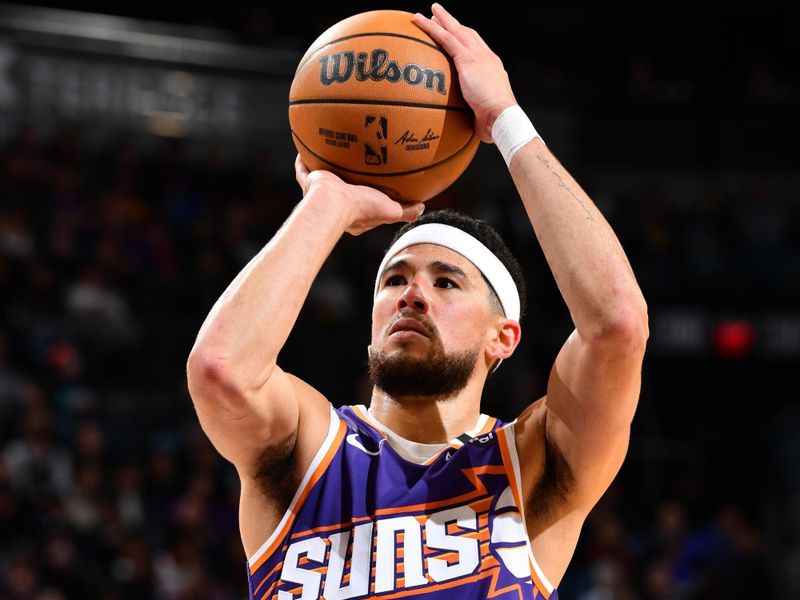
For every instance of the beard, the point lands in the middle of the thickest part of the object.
(436, 376)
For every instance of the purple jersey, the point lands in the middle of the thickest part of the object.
(367, 522)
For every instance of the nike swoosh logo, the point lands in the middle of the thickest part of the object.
(353, 440)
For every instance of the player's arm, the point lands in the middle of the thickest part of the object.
(582, 426)
(244, 401)
(572, 442)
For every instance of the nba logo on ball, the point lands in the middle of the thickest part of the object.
(375, 148)
(376, 101)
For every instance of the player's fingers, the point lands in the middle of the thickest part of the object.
(440, 35)
(445, 17)
(471, 37)
(411, 212)
(300, 172)
(465, 35)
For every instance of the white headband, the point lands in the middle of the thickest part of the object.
(468, 247)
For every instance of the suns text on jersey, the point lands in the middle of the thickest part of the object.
(396, 552)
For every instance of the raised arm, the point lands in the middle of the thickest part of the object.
(573, 441)
(245, 402)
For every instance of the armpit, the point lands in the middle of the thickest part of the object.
(274, 471)
(555, 484)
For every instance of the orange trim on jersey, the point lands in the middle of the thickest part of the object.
(538, 582)
(296, 590)
(493, 571)
(505, 451)
(480, 508)
(266, 579)
(364, 416)
(493, 592)
(487, 427)
(337, 526)
(489, 561)
(318, 472)
(269, 590)
(438, 587)
(471, 474)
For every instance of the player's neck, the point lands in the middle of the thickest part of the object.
(427, 421)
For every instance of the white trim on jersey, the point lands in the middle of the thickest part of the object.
(416, 452)
(318, 457)
(512, 451)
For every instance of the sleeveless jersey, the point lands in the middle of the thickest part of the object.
(366, 522)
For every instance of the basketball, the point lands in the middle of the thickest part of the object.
(376, 101)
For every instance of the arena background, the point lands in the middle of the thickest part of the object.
(145, 156)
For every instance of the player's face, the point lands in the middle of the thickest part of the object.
(432, 304)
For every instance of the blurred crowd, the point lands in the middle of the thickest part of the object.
(110, 258)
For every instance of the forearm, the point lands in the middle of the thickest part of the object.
(585, 256)
(249, 324)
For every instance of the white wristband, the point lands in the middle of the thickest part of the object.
(511, 131)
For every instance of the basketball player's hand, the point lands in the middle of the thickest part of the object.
(484, 81)
(367, 206)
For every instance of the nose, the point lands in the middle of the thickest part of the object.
(412, 298)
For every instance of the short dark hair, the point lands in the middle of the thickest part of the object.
(488, 236)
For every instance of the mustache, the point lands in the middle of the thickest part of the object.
(429, 327)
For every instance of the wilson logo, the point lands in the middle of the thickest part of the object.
(376, 66)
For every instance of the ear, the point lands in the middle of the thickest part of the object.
(504, 337)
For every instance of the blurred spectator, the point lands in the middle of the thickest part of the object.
(100, 314)
(111, 256)
(130, 496)
(21, 579)
(85, 503)
(38, 468)
(180, 570)
(12, 387)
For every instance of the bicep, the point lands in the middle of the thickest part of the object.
(572, 442)
(592, 395)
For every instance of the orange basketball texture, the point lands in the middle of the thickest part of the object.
(377, 102)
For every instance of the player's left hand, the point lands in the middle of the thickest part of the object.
(484, 81)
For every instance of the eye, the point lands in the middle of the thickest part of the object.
(446, 283)
(394, 280)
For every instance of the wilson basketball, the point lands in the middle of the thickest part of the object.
(377, 102)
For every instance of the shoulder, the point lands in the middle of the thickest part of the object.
(528, 430)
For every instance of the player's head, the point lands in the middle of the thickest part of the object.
(454, 280)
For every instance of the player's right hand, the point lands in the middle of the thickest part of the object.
(366, 206)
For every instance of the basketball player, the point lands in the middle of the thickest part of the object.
(420, 494)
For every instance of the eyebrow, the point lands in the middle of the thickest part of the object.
(437, 266)
(443, 267)
(398, 265)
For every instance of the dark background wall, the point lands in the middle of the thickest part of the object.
(139, 173)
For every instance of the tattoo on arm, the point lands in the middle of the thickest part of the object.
(546, 163)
